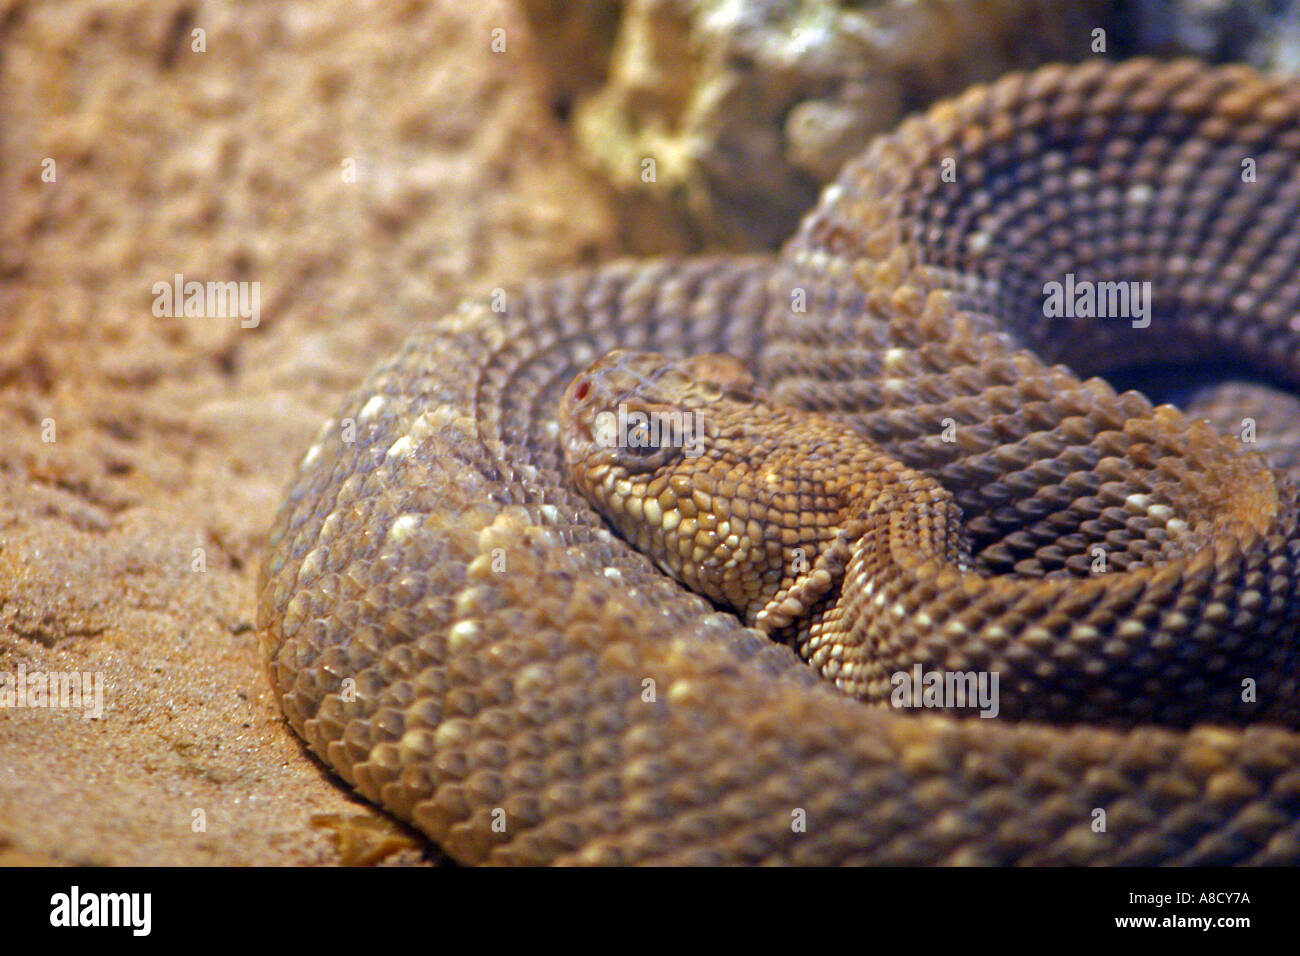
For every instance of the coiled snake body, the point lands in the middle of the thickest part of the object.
(451, 626)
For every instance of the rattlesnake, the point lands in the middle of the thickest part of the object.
(451, 626)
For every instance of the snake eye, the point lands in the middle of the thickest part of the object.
(641, 439)
(646, 440)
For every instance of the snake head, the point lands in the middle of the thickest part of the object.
(636, 413)
(650, 442)
(697, 471)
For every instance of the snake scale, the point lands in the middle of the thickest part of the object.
(452, 627)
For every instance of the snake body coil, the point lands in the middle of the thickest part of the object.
(451, 627)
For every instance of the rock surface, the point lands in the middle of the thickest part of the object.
(725, 119)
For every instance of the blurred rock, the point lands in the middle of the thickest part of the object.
(1265, 33)
(722, 120)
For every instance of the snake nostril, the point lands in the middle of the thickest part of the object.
(582, 390)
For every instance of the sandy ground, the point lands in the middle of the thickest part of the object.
(364, 164)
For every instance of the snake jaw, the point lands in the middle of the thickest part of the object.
(735, 521)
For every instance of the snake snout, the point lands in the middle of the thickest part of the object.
(584, 410)
(617, 376)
